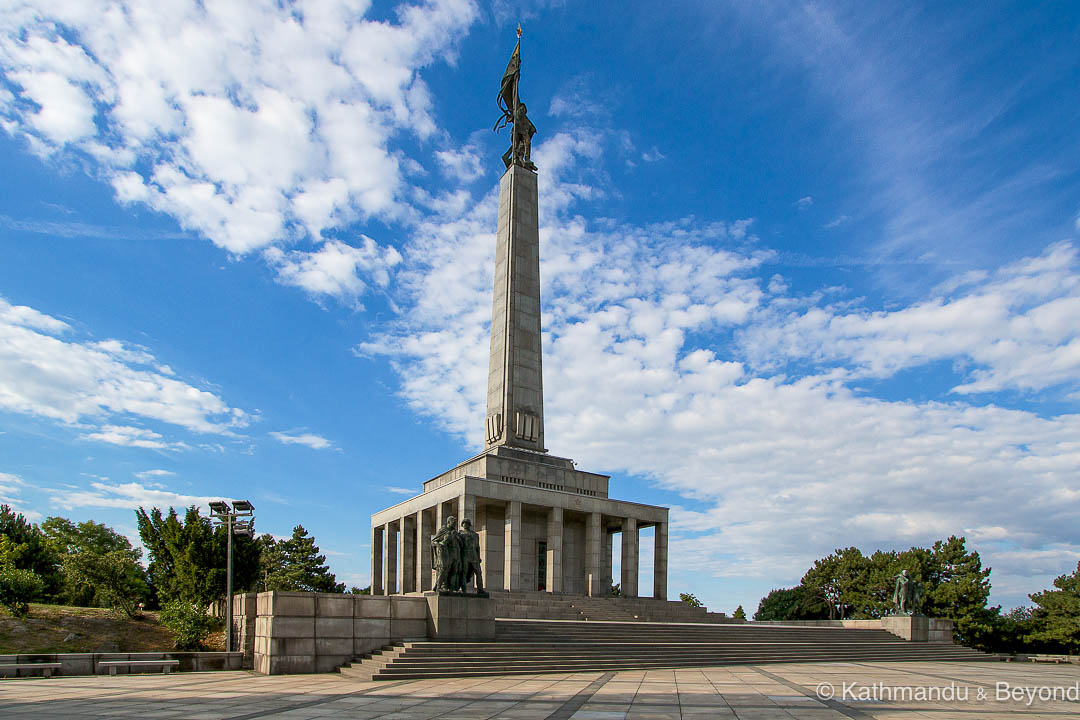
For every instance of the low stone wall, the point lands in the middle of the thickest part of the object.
(917, 628)
(298, 632)
(86, 663)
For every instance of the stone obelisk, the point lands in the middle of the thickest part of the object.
(515, 398)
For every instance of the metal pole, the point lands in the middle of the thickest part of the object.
(228, 583)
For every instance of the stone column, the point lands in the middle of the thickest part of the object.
(554, 578)
(467, 509)
(592, 555)
(377, 587)
(512, 546)
(408, 554)
(605, 561)
(423, 551)
(660, 541)
(629, 557)
(390, 549)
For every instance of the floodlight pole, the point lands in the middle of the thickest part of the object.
(228, 583)
(226, 515)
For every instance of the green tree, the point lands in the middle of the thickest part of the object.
(35, 554)
(690, 599)
(301, 568)
(840, 579)
(739, 613)
(271, 561)
(795, 603)
(115, 577)
(189, 622)
(99, 566)
(958, 589)
(1056, 616)
(187, 558)
(17, 588)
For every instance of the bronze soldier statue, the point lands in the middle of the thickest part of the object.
(446, 556)
(902, 594)
(471, 564)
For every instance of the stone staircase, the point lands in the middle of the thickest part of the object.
(548, 606)
(552, 646)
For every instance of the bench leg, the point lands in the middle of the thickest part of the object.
(47, 671)
(166, 669)
(112, 670)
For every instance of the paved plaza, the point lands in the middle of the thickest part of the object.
(884, 691)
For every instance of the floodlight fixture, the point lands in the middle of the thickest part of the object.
(227, 516)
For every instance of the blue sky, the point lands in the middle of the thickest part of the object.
(810, 270)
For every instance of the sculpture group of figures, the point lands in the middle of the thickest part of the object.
(908, 595)
(455, 557)
(514, 113)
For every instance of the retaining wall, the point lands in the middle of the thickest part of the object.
(299, 632)
(915, 628)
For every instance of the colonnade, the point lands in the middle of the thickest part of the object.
(409, 536)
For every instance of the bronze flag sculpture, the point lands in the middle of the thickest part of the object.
(515, 113)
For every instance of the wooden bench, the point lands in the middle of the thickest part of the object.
(112, 665)
(45, 668)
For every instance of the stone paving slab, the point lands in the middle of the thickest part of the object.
(806, 691)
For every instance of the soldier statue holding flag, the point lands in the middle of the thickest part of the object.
(515, 113)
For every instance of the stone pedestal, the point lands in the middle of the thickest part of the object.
(455, 616)
(914, 628)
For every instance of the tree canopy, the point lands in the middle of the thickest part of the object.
(295, 564)
(187, 557)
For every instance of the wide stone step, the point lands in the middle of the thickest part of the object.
(529, 656)
(706, 658)
(661, 648)
(524, 647)
(457, 670)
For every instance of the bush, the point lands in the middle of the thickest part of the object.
(18, 588)
(189, 622)
(690, 599)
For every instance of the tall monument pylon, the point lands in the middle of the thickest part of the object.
(515, 397)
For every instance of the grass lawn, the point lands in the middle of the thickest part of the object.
(64, 629)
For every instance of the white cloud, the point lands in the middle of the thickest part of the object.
(804, 202)
(653, 155)
(462, 164)
(837, 222)
(10, 486)
(131, 437)
(400, 490)
(311, 440)
(253, 124)
(335, 269)
(146, 474)
(1014, 329)
(96, 381)
(128, 496)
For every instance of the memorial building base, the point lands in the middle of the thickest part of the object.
(454, 635)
